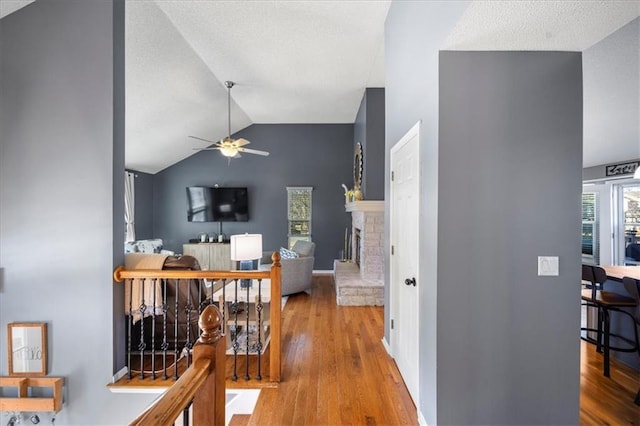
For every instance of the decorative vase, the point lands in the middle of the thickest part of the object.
(357, 194)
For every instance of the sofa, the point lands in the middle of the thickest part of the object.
(297, 266)
(146, 246)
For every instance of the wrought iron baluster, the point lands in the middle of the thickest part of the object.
(165, 343)
(234, 310)
(201, 303)
(186, 420)
(188, 307)
(175, 332)
(129, 326)
(224, 301)
(142, 344)
(153, 329)
(246, 355)
(259, 313)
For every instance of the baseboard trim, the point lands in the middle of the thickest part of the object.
(421, 419)
(323, 272)
(386, 346)
(120, 374)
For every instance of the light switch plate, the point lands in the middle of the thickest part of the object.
(548, 266)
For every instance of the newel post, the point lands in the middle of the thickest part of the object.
(275, 350)
(209, 401)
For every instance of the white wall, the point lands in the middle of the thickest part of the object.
(612, 98)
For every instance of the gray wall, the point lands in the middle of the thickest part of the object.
(369, 131)
(144, 205)
(61, 165)
(317, 155)
(504, 237)
(414, 32)
(510, 171)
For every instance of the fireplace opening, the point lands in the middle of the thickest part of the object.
(356, 246)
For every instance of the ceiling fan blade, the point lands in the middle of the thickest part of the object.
(207, 149)
(205, 140)
(241, 142)
(253, 151)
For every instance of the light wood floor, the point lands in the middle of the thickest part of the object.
(607, 401)
(336, 371)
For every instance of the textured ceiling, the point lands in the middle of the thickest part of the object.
(304, 61)
(10, 6)
(292, 61)
(539, 25)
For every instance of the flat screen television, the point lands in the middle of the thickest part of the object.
(221, 204)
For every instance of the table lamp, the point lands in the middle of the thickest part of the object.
(246, 248)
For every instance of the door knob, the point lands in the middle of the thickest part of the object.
(410, 281)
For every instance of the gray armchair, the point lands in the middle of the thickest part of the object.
(296, 273)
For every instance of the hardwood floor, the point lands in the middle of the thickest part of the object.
(607, 401)
(336, 371)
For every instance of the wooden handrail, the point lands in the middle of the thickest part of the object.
(177, 397)
(200, 383)
(120, 274)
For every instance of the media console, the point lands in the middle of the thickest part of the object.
(211, 256)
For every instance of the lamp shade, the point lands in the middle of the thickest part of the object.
(246, 247)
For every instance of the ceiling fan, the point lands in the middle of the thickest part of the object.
(230, 148)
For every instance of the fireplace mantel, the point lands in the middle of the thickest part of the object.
(365, 206)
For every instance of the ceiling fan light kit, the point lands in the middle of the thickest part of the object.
(229, 147)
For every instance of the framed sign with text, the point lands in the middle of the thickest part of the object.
(621, 169)
(27, 343)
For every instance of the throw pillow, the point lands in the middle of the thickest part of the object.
(287, 254)
(131, 247)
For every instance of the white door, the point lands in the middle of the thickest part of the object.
(405, 247)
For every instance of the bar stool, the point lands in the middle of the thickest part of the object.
(609, 302)
(592, 281)
(630, 285)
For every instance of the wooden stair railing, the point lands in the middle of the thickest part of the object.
(203, 382)
(275, 309)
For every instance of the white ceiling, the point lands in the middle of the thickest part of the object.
(566, 25)
(10, 6)
(298, 61)
(292, 61)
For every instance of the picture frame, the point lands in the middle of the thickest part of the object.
(358, 166)
(27, 345)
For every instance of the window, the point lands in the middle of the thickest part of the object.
(299, 206)
(590, 228)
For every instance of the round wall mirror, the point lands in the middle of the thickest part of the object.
(357, 166)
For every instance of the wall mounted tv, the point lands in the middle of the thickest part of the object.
(219, 204)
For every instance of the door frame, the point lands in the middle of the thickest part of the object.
(414, 131)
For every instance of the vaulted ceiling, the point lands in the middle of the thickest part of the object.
(298, 61)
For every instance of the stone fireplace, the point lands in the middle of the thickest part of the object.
(360, 282)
